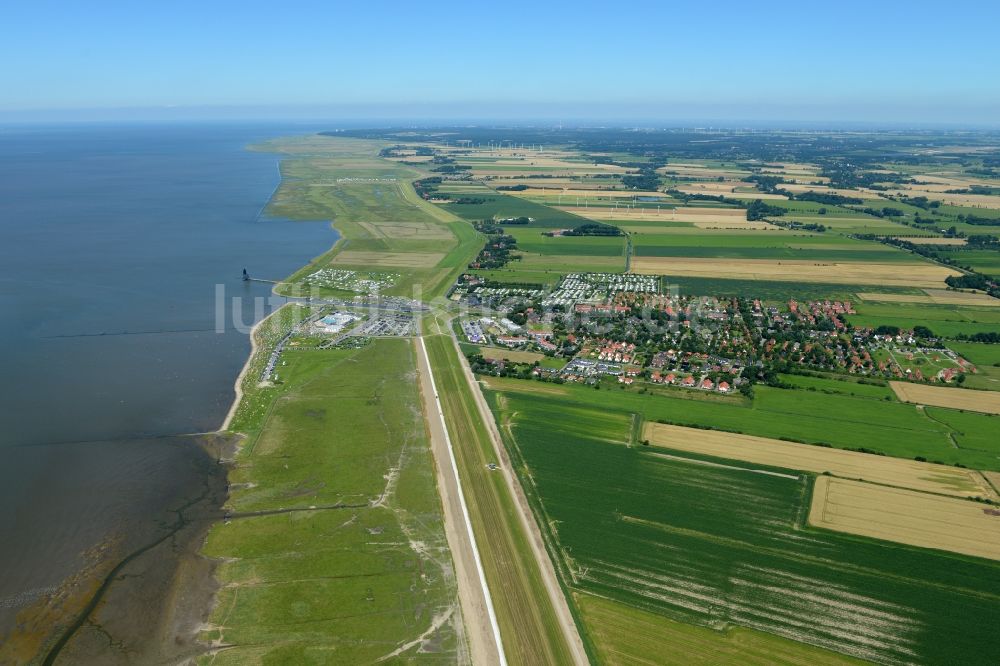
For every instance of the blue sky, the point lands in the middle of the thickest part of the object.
(876, 61)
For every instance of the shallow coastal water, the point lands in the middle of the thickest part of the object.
(112, 243)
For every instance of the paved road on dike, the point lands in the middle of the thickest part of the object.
(473, 594)
(548, 572)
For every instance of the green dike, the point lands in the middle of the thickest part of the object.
(528, 625)
(335, 551)
(663, 541)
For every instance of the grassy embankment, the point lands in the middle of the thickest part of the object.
(528, 626)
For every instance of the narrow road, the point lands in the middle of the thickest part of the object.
(485, 645)
(548, 572)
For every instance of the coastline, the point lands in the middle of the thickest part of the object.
(238, 388)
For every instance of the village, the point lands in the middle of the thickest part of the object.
(624, 327)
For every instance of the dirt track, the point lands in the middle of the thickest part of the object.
(548, 572)
(483, 647)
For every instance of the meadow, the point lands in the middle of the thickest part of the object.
(334, 543)
(710, 546)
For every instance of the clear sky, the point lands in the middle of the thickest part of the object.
(882, 61)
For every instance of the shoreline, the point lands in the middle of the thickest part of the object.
(238, 387)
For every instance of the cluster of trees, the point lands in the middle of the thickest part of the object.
(497, 251)
(850, 176)
(450, 168)
(594, 229)
(992, 337)
(758, 210)
(921, 202)
(811, 226)
(979, 221)
(767, 183)
(983, 241)
(512, 188)
(885, 211)
(514, 220)
(828, 199)
(647, 178)
(427, 187)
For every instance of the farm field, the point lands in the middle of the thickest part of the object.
(905, 516)
(819, 460)
(797, 270)
(983, 261)
(335, 543)
(944, 320)
(935, 297)
(841, 421)
(709, 545)
(765, 246)
(839, 384)
(510, 354)
(986, 358)
(943, 396)
(625, 635)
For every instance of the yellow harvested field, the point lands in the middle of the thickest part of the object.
(602, 195)
(906, 516)
(938, 296)
(817, 459)
(495, 353)
(798, 188)
(703, 218)
(932, 240)
(395, 259)
(892, 274)
(987, 402)
(730, 189)
(994, 479)
(971, 200)
(408, 230)
(733, 223)
(521, 386)
(626, 636)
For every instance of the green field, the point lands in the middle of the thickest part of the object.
(765, 246)
(986, 262)
(813, 417)
(498, 205)
(943, 320)
(336, 548)
(624, 634)
(844, 385)
(725, 547)
(986, 358)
